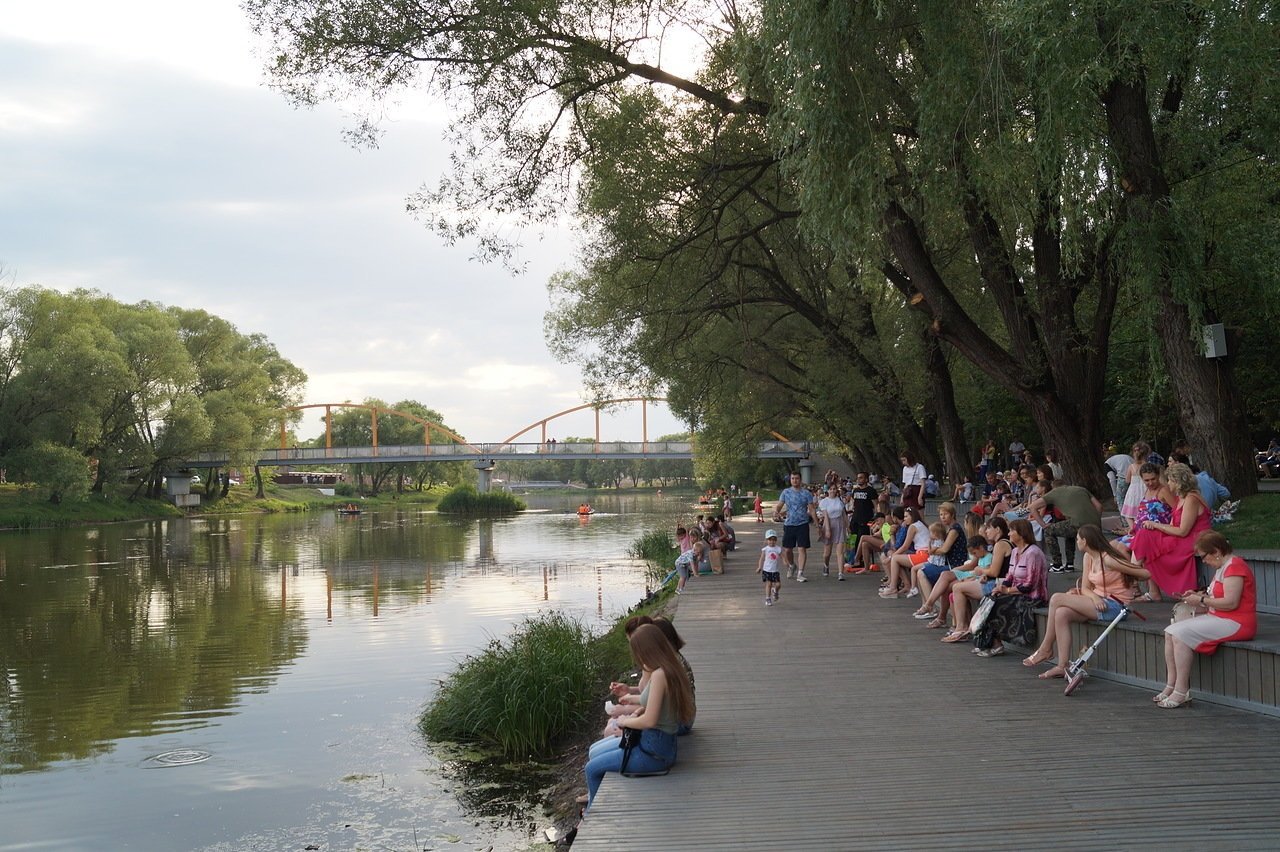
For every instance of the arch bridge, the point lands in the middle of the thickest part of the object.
(454, 447)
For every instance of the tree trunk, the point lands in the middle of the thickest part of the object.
(226, 483)
(1210, 408)
(1068, 414)
(257, 476)
(211, 484)
(943, 398)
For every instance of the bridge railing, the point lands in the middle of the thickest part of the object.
(421, 452)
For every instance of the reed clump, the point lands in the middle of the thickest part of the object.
(524, 693)
(466, 500)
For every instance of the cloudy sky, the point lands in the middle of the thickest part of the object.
(142, 156)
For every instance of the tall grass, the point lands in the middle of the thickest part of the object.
(465, 500)
(659, 551)
(524, 693)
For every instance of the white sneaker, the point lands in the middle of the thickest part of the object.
(840, 576)
(800, 578)
(914, 591)
(768, 602)
(826, 570)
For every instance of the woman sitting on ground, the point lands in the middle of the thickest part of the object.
(1025, 587)
(983, 582)
(1230, 615)
(913, 551)
(953, 551)
(1108, 577)
(668, 703)
(1167, 550)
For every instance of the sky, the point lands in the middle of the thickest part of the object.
(142, 155)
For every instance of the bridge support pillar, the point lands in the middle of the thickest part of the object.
(484, 476)
(806, 470)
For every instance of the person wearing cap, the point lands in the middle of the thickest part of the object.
(768, 568)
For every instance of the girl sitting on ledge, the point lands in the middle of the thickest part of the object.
(1108, 577)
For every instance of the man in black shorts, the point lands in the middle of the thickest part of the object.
(795, 510)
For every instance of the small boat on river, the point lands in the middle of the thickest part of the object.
(350, 509)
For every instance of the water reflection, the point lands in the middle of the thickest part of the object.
(296, 650)
(101, 651)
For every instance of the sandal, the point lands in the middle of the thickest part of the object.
(936, 623)
(1161, 695)
(1035, 659)
(957, 636)
(1053, 673)
(1171, 702)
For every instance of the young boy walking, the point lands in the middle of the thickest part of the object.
(769, 568)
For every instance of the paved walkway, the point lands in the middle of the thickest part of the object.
(835, 721)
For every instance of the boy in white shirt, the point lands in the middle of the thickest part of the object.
(769, 567)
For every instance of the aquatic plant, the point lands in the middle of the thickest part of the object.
(466, 500)
(523, 693)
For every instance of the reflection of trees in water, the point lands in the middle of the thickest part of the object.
(95, 653)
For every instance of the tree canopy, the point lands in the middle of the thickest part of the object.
(134, 388)
(845, 207)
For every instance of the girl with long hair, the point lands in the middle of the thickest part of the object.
(1109, 576)
(668, 703)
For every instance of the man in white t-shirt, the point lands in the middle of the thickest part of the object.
(1016, 449)
(1117, 467)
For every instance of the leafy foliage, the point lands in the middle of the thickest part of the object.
(523, 693)
(465, 500)
(62, 471)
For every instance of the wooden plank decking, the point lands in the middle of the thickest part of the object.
(834, 721)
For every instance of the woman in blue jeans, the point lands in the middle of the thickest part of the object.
(667, 701)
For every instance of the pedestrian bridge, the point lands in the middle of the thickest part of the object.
(440, 444)
(488, 454)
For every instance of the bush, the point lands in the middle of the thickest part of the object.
(344, 489)
(655, 546)
(465, 500)
(61, 471)
(524, 693)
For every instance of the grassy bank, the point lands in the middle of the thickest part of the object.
(525, 694)
(1256, 525)
(657, 547)
(24, 507)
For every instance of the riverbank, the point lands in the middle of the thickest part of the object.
(24, 507)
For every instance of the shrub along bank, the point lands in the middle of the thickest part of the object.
(466, 500)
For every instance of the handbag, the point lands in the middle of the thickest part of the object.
(1183, 611)
(631, 742)
(980, 615)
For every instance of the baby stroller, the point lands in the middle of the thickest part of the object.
(1075, 670)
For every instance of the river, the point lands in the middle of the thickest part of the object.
(254, 682)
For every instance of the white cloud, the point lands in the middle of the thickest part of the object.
(144, 166)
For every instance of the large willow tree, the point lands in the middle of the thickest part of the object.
(1008, 168)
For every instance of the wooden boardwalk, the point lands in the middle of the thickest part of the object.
(835, 721)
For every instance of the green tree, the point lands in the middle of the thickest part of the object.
(1007, 168)
(62, 471)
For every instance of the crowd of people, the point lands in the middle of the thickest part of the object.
(979, 575)
(1020, 526)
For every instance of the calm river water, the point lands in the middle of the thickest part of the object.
(254, 682)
